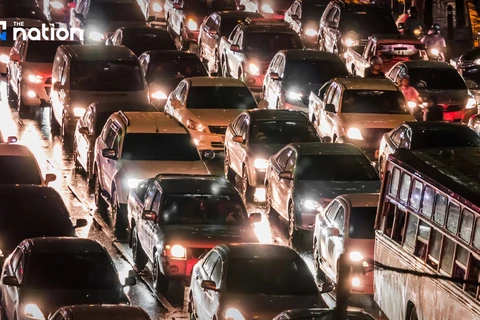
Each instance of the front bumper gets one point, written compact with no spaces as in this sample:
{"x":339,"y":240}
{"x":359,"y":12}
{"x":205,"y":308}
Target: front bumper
{"x":178,"y":268}
{"x":207,"y":141}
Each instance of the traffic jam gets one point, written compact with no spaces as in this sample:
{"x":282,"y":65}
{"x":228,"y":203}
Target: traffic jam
{"x":236,"y":160}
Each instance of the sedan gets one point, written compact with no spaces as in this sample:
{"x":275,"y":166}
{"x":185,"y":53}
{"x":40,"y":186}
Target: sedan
{"x":251,"y":281}
{"x":141,"y":39}
{"x":321,"y":314}
{"x":44,"y":273}
{"x":91,"y":312}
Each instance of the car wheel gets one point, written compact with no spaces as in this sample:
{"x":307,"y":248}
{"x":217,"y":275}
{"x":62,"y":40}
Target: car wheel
{"x":227,"y":170}
{"x":91,"y":181}
{"x":160,"y":281}
{"x":139,"y":256}
{"x":293,"y":233}
{"x":119,"y":218}
{"x":413,"y":314}
{"x":268,"y":201}
{"x":247,"y":190}
{"x":102,"y":205}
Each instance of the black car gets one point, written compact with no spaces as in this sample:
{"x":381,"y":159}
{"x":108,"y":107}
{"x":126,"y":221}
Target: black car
{"x":468,"y":65}
{"x":45,"y":273}
{"x":28,"y":211}
{"x":164,"y":69}
{"x":141,"y":39}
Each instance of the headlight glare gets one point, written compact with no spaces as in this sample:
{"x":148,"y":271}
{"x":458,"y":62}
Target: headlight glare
{"x":356,"y":282}
{"x":310,"y":32}
{"x":4,"y":58}
{"x":133,"y":183}
{"x":57,"y":5}
{"x":176,"y":251}
{"x":356,"y":256}
{"x":234,"y":314}
{"x":471,"y":103}
{"x":435,"y":52}
{"x":477,"y":61}
{"x":260,"y":164}
{"x":34,"y":78}
{"x":195,"y":125}
{"x":266,"y":8}
{"x":292,"y":95}
{"x":159,"y":95}
{"x":253,"y":69}
{"x":32,"y":311}
{"x":354,"y":133}
{"x":192,"y":25}
{"x":157,"y":7}
{"x":311,"y":205}
{"x":78,"y":111}
{"x":412,"y":104}
{"x":349,"y":42}
{"x":96,"y":36}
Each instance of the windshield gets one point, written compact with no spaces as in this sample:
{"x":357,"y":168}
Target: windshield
{"x":451,"y":136}
{"x":19,"y":170}
{"x":228,"y":24}
{"x":204,"y":209}
{"x":314,"y":71}
{"x":283,"y":277}
{"x":436,"y":79}
{"x":44,"y":51}
{"x":362,"y":222}
{"x":220,"y":98}
{"x":92,"y":271}
{"x":159,"y":147}
{"x":378,"y":102}
{"x":335,"y":168}
{"x":282,"y":132}
{"x":399,"y":52}
{"x":115,"y":11}
{"x":106,"y":76}
{"x":141,"y":42}
{"x":367,"y":22}
{"x":180,"y":66}
{"x":272,"y":42}
{"x":210,"y":5}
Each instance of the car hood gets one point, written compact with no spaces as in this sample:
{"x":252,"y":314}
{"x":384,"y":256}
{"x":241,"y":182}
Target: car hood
{"x":264,"y":150}
{"x":262,"y":56}
{"x":370,"y":120}
{"x":445,"y":97}
{"x":166,"y":85}
{"x":215,"y":117}
{"x":303,"y":87}
{"x":85,"y":98}
{"x":207,"y":236}
{"x":332,"y":189}
{"x":43,"y":69}
{"x":147,"y":169}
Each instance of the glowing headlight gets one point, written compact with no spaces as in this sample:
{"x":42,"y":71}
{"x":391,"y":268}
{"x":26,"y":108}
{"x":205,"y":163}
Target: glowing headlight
{"x":471,"y":103}
{"x":435,"y":52}
{"x":260,"y":164}
{"x":417,"y":32}
{"x":133,"y":183}
{"x":176,"y":251}
{"x":356,"y":256}
{"x":349,"y":42}
{"x":356,"y":282}
{"x":195,"y":125}
{"x":78,"y":111}
{"x":253,"y":69}
{"x":157,"y":7}
{"x":4,"y":58}
{"x":96,"y":36}
{"x":267,"y":9}
{"x":477,"y":61}
{"x":32,"y":311}
{"x":294,"y":95}
{"x":311,"y":32}
{"x":354,"y":133}
{"x":159,"y":95}
{"x":312,"y":205}
{"x":35,"y":79}
{"x":192,"y":25}
{"x":57,"y":5}
{"x":412,"y":104}
{"x":233,"y":314}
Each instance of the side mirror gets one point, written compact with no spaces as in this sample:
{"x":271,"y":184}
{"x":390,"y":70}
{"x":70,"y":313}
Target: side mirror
{"x":263,"y":104}
{"x":130,"y":281}
{"x":274,"y":76}
{"x":472,"y":85}
{"x":212,"y":32}
{"x":14,"y":57}
{"x":208,"y":155}
{"x":329,"y":107}
{"x":235,"y":48}
{"x":177,"y":6}
{"x":84,"y":130}
{"x":149,"y":215}
{"x":238,"y":139}
{"x":80,"y":223}
{"x":327,"y":287}
{"x":326,"y":139}
{"x":57,"y":86}
{"x":241,"y":7}
{"x":12,"y":139}
{"x":255,"y":217}
{"x":295,"y":17}
{"x":109,"y":154}
{"x":332,"y":232}
{"x":50,"y":177}
{"x":209,"y":285}
{"x":150,"y":19}
{"x":71,"y":5}
{"x":286,"y":175}
{"x":10,"y":281}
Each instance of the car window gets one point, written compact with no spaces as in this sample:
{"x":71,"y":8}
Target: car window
{"x":339,"y":221}
{"x":336,"y":98}
{"x":237,"y":125}
{"x":111,"y":134}
{"x":15,"y":258}
{"x":291,"y":163}
{"x":407,"y":138}
{"x":210,"y":22}
{"x":117,"y":141}
{"x":217,"y":272}
{"x":210,"y":263}
{"x":397,"y":136}
{"x":156,"y":202}
{"x":19,"y":270}
{"x":283,"y":157}
{"x":332,"y":211}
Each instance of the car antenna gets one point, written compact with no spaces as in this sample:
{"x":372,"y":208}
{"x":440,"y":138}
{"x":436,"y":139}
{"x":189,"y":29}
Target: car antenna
{"x":156,"y":125}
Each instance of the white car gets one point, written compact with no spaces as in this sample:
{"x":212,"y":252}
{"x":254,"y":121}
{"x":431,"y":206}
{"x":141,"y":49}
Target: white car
{"x":207,"y":105}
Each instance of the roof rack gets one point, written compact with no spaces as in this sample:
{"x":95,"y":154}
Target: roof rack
{"x":124,"y":117}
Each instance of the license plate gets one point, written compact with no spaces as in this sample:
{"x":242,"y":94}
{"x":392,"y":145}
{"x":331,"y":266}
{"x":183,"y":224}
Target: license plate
{"x":377,"y":154}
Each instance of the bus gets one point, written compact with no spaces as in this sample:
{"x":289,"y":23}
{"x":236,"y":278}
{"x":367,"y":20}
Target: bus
{"x":428,"y":221}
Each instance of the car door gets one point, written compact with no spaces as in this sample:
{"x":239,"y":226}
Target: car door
{"x":233,"y":147}
{"x":13,"y":66}
{"x":10,"y":293}
{"x":287,"y":185}
{"x":200,"y":295}
{"x":327,"y":221}
{"x":276,"y":86}
{"x":143,"y":226}
{"x":176,"y":94}
{"x":393,"y":142}
{"x":107,"y":165}
{"x":212,"y":298}
{"x":276,"y":183}
{"x":330,"y":28}
{"x":267,"y":81}
{"x":324,"y":116}
{"x":203,"y":49}
{"x":153,"y":227}
{"x":82,"y":140}
{"x":236,"y":58}
{"x":211,"y":37}
{"x":335,"y":244}
{"x":332,"y":117}
{"x":296,"y":24}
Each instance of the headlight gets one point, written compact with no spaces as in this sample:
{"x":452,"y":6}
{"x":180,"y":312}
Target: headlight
{"x":195,"y":125}
{"x":292,"y":95}
{"x":32,"y":311}
{"x":412,"y":104}
{"x":96,"y":36}
{"x":477,"y":61}
{"x":260,"y":164}
{"x":471,"y":103}
{"x":417,"y":32}
{"x":57,"y":5}
{"x":159,"y":95}
{"x":356,"y":282}
{"x":311,"y":32}
{"x":133,"y":183}
{"x":34,"y":78}
{"x":354,"y":133}
{"x":253,"y":69}
{"x":356,"y":256}
{"x":267,"y":9}
{"x":349,"y":42}
{"x":157,"y":7}
{"x":311,"y":205}
{"x":4,"y":58}
{"x":78,"y":111}
{"x":176,"y":251}
{"x":233,"y":314}
{"x":435,"y":52}
{"x":192,"y":25}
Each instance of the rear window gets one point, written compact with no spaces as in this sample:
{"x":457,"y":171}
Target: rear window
{"x":399,"y":52}
{"x":367,"y":21}
{"x":141,"y":42}
{"x":436,"y":79}
{"x":114,"y":11}
{"x":220,"y":98}
{"x":362,"y":222}
{"x":44,"y":51}
{"x":369,"y":101}
{"x":282,"y":132}
{"x":180,"y":66}
{"x":272,"y":42}
{"x":19,"y":170}
{"x":452,"y":136}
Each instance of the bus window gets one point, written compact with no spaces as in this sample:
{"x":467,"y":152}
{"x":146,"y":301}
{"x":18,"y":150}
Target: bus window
{"x":434,"y":249}
{"x":473,"y":273}
{"x":422,"y":240}
{"x":453,"y":216}
{"x":460,"y":264}
{"x":411,"y":231}
{"x":416,"y":195}
{"x":447,"y":255}
{"x":395,"y":181}
{"x":476,"y":236}
{"x":466,"y":225}
{"x":398,"y":226}
{"x":388,"y":220}
{"x":440,"y":209}
{"x":427,"y":203}
{"x":405,"y":187}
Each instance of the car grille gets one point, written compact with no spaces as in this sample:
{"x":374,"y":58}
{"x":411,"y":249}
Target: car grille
{"x":48,"y":81}
{"x":452,"y":108}
{"x":197,"y":252}
{"x":217,"y":144}
{"x":217,"y":130}
{"x":374,"y":135}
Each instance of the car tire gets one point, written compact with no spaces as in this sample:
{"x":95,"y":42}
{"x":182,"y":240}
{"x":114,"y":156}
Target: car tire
{"x":140,"y":258}
{"x":293,"y":234}
{"x":227,"y":170}
{"x":102,"y":205}
{"x":119,"y":218}
{"x":269,"y":210}
{"x":160,"y":281}
{"x":412,"y":315}
{"x":247,"y":190}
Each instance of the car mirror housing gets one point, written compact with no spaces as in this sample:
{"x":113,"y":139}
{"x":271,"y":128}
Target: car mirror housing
{"x":80,"y":223}
{"x":241,"y":7}
{"x":238,"y":139}
{"x":15,"y":57}
{"x":50,"y":177}
{"x":286,"y":175}
{"x":109,"y":154}
{"x":326,"y":139}
{"x":151,"y":19}
{"x":332,"y":232}
{"x":255,"y":217}
{"x":10,"y":281}
{"x":149,"y":215}
{"x":12,"y":139}
{"x":263,"y":104}
{"x":57,"y":86}
{"x":130,"y":281}
{"x":295,"y":17}
{"x":327,"y":287}
{"x":177,"y":6}
{"x":209,"y":285}
{"x":84,"y":130}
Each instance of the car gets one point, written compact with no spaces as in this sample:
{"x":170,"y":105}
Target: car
{"x":468,"y":65}
{"x":321,"y":314}
{"x":214,"y":27}
{"x":294,"y":73}
{"x":30,"y":211}
{"x":207,"y":105}
{"x":18,"y":165}
{"x":98,"y":19}
{"x":153,"y":10}
{"x":10,"y":139}
{"x":346,"y":225}
{"x":321,"y":172}
{"x":31,"y":15}
{"x":124,"y":156}
{"x":304,"y":17}
{"x":33,"y":288}
{"x":89,"y":128}
{"x":253,"y":137}
{"x":164,"y":69}
{"x":359,"y":111}
{"x":58,"y":11}
{"x":180,"y":218}
{"x":141,"y":39}
{"x":29,"y":72}
{"x":251,"y":281}
{"x":104,"y":311}
{"x":83,"y":74}
{"x":268,"y":8}
{"x":438,"y":83}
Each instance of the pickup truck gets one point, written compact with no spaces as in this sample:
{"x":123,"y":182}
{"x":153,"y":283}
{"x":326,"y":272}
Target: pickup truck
{"x":390,"y":48}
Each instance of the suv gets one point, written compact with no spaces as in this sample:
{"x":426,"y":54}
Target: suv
{"x":132,"y":148}
{"x":345,"y":24}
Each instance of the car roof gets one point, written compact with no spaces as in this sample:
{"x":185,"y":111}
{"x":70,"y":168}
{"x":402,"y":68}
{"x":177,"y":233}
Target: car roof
{"x":150,"y":122}
{"x":361,"y":199}
{"x":170,"y":53}
{"x":204,"y":184}
{"x":427,"y":64}
{"x":301,"y":54}
{"x":276,"y":114}
{"x":95,"y":52}
{"x":425,"y":125}
{"x":313,"y":148}
{"x":258,"y":251}
{"x":367,"y":84}
{"x":396,"y":38}
{"x":117,"y":312}
{"x":125,"y":106}
{"x":71,"y":245}
{"x":14,"y":150}
{"x":214,"y":82}
{"x":238,"y":14}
